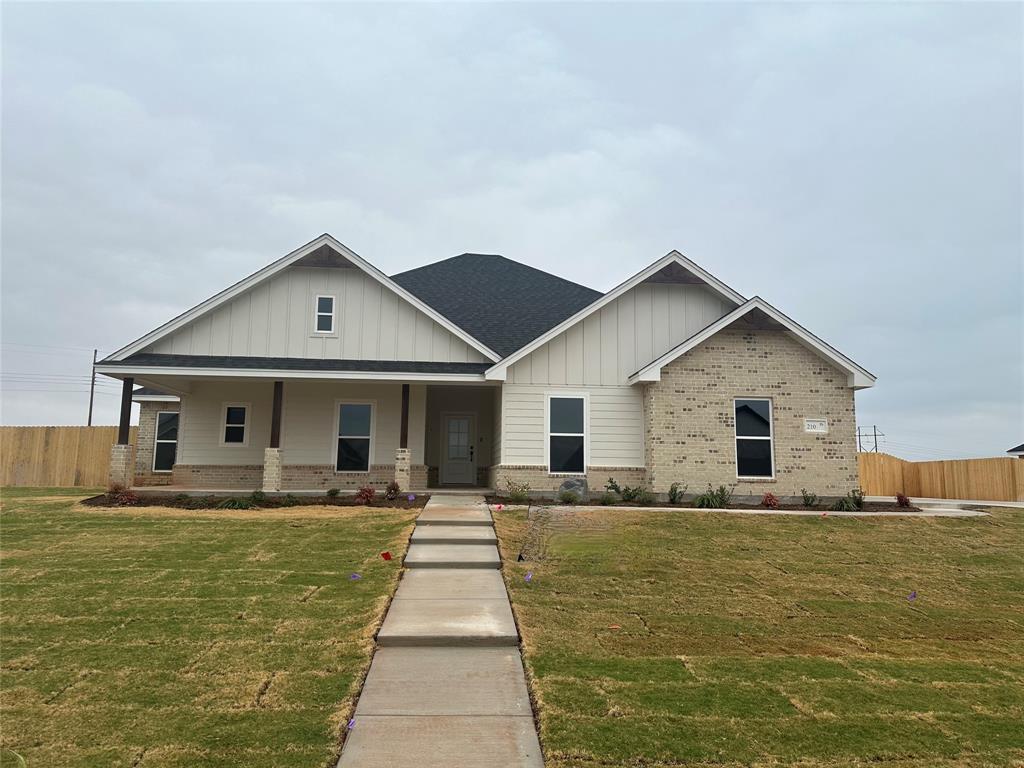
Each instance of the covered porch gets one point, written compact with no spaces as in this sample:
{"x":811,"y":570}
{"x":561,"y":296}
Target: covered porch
{"x":307,"y":434}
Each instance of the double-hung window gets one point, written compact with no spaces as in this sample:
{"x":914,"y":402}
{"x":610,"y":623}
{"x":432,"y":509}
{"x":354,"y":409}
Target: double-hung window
{"x":236,"y":424}
{"x":355,"y":437}
{"x":566,"y":435}
{"x":165,"y":446}
{"x":754,"y":450}
{"x":323,"y":319}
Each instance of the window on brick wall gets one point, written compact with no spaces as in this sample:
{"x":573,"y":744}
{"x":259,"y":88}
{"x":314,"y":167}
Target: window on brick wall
{"x":754,"y":439}
{"x":165,"y":446}
{"x":566,"y":435}
{"x":355,"y":437}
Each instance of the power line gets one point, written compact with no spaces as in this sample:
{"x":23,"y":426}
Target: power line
{"x":43,"y":346}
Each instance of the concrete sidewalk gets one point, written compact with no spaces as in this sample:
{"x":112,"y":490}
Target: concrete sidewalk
{"x":446,"y":687}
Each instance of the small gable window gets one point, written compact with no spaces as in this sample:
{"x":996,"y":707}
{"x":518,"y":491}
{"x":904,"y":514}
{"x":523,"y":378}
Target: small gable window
{"x":324,"y":315}
{"x":236,"y":424}
{"x":754,"y":449}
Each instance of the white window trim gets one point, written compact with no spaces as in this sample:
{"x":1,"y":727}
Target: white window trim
{"x":770,"y":438}
{"x":585,"y":397}
{"x":317,"y":314}
{"x":157,"y":441}
{"x":337,"y":435}
{"x":246,"y":426}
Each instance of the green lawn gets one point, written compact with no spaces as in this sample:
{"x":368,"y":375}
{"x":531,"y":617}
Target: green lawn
{"x":157,"y":638}
{"x":774,"y":640}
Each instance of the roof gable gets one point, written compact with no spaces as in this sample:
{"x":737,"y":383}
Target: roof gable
{"x":501,"y":302}
{"x":324,"y":251}
{"x":758,"y":313}
{"x":672,"y":267}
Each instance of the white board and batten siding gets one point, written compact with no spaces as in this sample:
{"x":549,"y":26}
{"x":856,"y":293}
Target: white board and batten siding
{"x":596,"y":356}
{"x":275,"y":319}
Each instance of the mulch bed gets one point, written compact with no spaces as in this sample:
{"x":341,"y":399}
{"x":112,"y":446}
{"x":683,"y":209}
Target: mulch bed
{"x":869,"y":507}
{"x":225,"y":501}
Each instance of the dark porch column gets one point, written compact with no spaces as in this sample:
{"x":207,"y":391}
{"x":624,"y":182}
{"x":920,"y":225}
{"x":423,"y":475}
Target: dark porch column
{"x":403,"y":439}
{"x":126,"y":410}
{"x":275,"y":415}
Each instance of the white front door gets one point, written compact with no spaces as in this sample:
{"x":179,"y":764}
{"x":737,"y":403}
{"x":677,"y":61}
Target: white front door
{"x":458,"y":453}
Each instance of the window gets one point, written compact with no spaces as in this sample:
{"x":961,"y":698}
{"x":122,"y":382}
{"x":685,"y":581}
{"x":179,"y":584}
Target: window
{"x":566,"y":435}
{"x":236,"y":425}
{"x":324,"y":315}
{"x":166,"y":445}
{"x":754,"y":438}
{"x":355,"y":430}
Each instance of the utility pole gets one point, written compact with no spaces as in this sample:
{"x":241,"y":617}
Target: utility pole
{"x":875,"y":434}
{"x":92,"y":385}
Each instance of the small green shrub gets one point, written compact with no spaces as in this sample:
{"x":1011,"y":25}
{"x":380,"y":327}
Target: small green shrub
{"x":257,"y":497}
{"x":518,"y":493}
{"x":235,"y":502}
{"x":645,"y":498}
{"x":607,"y":499}
{"x":291,"y":500}
{"x":858,"y":498}
{"x":612,"y":487}
{"x":181,"y":499}
{"x":332,"y":493}
{"x":844,"y":504}
{"x":676,"y":493}
{"x":200,"y":502}
{"x":392,"y":490}
{"x":714,"y":498}
{"x":630,"y":493}
{"x":810,"y":499}
{"x":568,"y":497}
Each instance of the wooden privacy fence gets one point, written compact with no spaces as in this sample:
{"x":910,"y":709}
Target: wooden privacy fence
{"x":56,"y":456}
{"x":982,"y":479}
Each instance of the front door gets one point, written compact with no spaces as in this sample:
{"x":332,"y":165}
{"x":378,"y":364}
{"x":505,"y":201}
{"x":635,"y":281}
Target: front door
{"x":458,"y":454}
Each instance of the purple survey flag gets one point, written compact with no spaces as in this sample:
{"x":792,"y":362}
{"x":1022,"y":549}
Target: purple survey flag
{"x":354,"y":577}
{"x":912,"y":595}
{"x":351,"y":723}
{"x":529,"y":576}
{"x":411,"y":497}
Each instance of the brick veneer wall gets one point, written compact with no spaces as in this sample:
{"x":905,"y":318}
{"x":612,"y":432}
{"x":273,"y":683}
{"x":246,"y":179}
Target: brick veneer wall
{"x":144,"y":474}
{"x":689,"y":421}
{"x":297,"y":477}
{"x":248,"y":477}
{"x":541,"y":482}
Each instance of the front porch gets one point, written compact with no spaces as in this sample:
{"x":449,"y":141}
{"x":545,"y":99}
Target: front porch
{"x":306,"y":435}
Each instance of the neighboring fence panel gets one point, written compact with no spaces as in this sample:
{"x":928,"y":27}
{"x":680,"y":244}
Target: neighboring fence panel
{"x":56,"y":456}
{"x":982,"y":479}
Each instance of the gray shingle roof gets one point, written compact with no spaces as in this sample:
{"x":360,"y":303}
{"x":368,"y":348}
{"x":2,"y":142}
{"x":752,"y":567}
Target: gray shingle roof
{"x":1018,"y":449}
{"x":500,"y":302}
{"x":297,"y":364}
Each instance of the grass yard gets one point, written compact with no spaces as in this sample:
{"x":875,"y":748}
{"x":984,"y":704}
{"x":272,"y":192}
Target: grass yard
{"x":156,"y":638}
{"x":751,"y":640}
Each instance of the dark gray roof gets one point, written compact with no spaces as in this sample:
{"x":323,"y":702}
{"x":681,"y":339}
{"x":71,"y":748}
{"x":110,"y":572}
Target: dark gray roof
{"x":297,"y":364}
{"x":1018,"y":449}
{"x":149,"y":391}
{"x":500,"y":302}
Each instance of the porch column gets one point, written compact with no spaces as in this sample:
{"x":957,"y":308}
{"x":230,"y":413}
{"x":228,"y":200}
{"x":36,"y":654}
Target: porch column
{"x":121,"y":471}
{"x":272,"y":454}
{"x":403,"y":458}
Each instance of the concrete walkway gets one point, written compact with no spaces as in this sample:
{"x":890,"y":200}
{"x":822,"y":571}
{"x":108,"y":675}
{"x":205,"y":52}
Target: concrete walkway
{"x":446,"y":686}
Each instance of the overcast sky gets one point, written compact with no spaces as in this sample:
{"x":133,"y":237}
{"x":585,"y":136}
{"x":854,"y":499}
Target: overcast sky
{"x":858,"y":166}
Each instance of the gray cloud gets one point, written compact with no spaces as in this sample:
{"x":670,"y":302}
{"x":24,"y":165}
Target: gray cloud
{"x":857,"y":165}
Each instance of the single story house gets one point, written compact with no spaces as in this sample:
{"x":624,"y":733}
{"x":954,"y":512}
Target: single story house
{"x":319,"y":371}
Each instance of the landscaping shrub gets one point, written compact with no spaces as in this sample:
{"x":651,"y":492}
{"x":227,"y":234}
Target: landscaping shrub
{"x":291,"y":500}
{"x":612,"y":487}
{"x":676,"y":493}
{"x":332,"y":493}
{"x":518,"y":493}
{"x":770,"y":500}
{"x":645,"y":498}
{"x":810,"y":499}
{"x":235,"y":502}
{"x":181,"y":499}
{"x":366,"y":494}
{"x":569,"y":497}
{"x":257,"y":497}
{"x":200,"y":502}
{"x":714,"y":498}
{"x":844,"y":504}
{"x":857,"y":495}
{"x":902,"y":500}
{"x":114,"y":488}
{"x":630,"y":493}
{"x":126,"y":498}
{"x":392,"y":490}
{"x":607,"y":499}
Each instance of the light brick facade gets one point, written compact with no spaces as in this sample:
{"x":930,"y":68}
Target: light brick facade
{"x":297,"y":477}
{"x":403,"y":468}
{"x":120,"y":473}
{"x":241,"y":477}
{"x":690,"y":421}
{"x":541,"y":482}
{"x":144,"y":474}
{"x":271,"y":469}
